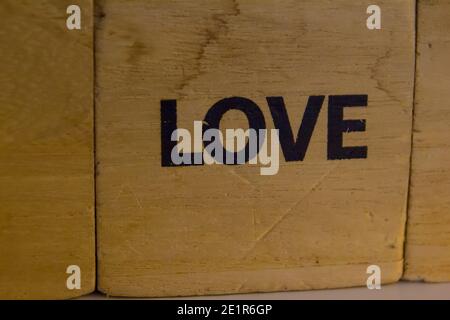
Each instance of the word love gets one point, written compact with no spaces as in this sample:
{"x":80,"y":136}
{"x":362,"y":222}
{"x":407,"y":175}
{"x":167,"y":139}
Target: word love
{"x":251,"y":144}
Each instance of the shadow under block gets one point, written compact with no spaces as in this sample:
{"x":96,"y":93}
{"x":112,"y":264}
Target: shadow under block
{"x":212,"y":229}
{"x":46,"y":150}
{"x":428,"y":231}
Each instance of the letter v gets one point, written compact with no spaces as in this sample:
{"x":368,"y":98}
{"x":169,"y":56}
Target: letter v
{"x":295,"y":150}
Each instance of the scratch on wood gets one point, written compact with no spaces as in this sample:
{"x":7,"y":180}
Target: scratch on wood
{"x":283,"y":217}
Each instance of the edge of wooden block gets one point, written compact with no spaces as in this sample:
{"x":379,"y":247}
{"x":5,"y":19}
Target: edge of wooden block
{"x":250,"y":281}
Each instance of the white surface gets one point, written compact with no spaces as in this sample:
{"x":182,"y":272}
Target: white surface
{"x":401,"y":291}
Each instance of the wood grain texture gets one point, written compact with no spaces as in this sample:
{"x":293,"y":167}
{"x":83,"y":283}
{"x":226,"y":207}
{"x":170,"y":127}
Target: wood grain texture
{"x":428,"y":236}
{"x":46,"y":149}
{"x":226,"y":229}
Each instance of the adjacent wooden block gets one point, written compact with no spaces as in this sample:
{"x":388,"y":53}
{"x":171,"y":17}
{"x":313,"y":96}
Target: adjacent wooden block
{"x":46,"y":149}
{"x":211,"y":229}
{"x":428,"y":237}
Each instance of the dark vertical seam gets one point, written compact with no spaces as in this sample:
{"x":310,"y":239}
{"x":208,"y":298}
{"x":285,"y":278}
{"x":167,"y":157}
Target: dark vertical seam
{"x":408,"y":198}
{"x":94,"y":84}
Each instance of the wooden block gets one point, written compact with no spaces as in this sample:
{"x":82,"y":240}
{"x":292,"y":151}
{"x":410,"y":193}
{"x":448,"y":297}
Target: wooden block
{"x":428,"y":237}
{"x":212,"y":229}
{"x":46,"y":149}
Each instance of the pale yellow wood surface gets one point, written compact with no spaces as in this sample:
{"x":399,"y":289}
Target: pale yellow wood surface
{"x":46,"y":149}
{"x":221,"y":229}
{"x":428,"y":237}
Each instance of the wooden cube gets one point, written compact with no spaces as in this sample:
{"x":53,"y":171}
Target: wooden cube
{"x":46,"y":150}
{"x":428,"y":237}
{"x":338,"y":201}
